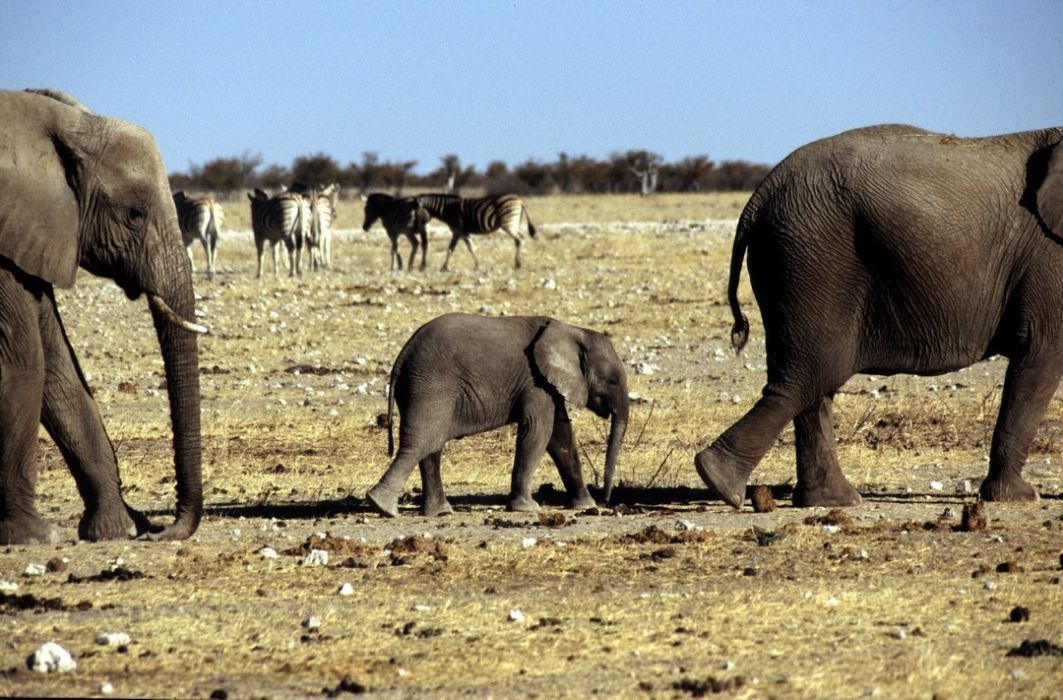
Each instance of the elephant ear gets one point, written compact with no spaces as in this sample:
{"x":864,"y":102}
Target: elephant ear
{"x":41,"y":172}
{"x":559,"y":356}
{"x":1050,"y":192}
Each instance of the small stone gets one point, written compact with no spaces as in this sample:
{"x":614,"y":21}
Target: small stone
{"x":645,"y":368}
{"x":936,"y":486}
{"x":858,"y":554}
{"x":516,"y":615}
{"x":686,"y":526}
{"x":898,"y":634}
{"x":106,"y":688}
{"x":268,"y":553}
{"x":316,"y":557}
{"x":51,"y":658}
{"x":964,"y":487}
{"x":346,"y":589}
{"x":34,"y":570}
{"x":728,"y":666}
{"x":113,"y":639}
{"x":8,"y":587}
{"x":974,"y":518}
{"x":1020,"y":614}
{"x":421,"y":607}
{"x":528,"y":542}
{"x":311,"y":623}
{"x":989,"y":586}
{"x":56,"y":564}
{"x":948,"y":514}
{"x":762,"y":499}
{"x":830,"y":529}
{"x":550,"y":284}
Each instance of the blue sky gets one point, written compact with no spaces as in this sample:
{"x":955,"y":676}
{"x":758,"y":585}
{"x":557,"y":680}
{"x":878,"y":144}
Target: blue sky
{"x":517,"y":79}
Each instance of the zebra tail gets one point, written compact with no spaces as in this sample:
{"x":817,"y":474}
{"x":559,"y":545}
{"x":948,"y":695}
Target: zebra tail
{"x":531,"y":226}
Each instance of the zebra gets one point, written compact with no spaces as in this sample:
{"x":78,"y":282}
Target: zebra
{"x":400,"y":216}
{"x":200,"y":218}
{"x":284,"y":217}
{"x":322,"y":206}
{"x":483,"y":215}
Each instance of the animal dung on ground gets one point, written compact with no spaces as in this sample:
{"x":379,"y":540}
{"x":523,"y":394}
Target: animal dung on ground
{"x":1020,"y":614}
{"x":974,"y":517}
{"x":762,"y":499}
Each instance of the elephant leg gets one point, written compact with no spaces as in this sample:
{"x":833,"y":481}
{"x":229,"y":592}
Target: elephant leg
{"x":72,"y":418}
{"x":384,"y":496}
{"x":435,"y":500}
{"x":533,"y":435}
{"x":22,"y":370}
{"x":820,"y":481}
{"x":563,"y":450}
{"x":1029,"y":385}
{"x":725,"y":465}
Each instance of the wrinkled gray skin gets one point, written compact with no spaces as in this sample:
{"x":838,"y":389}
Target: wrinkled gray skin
{"x":461,"y":375}
{"x":893,"y":250}
{"x":81,"y":189}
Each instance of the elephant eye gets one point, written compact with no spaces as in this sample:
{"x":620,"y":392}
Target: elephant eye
{"x":136,"y":216}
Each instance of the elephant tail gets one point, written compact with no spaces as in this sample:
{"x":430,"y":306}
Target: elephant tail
{"x":740,"y":329}
{"x":391,"y":412}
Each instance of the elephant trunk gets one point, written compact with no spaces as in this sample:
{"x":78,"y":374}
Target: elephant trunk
{"x":177,"y":342}
{"x":617,"y":428}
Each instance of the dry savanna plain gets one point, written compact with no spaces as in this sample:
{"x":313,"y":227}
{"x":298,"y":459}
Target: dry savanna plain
{"x":663,"y":594}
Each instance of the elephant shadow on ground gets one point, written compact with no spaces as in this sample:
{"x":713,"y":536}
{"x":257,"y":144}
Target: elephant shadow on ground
{"x":654,"y":498}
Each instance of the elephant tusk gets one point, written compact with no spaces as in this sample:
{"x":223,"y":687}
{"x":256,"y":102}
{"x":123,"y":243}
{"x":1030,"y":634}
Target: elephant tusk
{"x":164,"y":309}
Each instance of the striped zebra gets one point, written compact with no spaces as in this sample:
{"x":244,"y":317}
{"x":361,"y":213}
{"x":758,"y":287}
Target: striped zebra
{"x":200,"y":219}
{"x":475,"y":216}
{"x":322,"y":207}
{"x":401,"y":216}
{"x":284,"y":217}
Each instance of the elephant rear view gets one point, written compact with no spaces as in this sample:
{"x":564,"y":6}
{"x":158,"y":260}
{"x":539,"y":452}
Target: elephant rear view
{"x":892,"y":250}
{"x":461,"y":374}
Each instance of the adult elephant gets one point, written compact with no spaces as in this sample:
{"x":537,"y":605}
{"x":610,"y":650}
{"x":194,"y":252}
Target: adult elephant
{"x":891,"y":249}
{"x":82,"y":189}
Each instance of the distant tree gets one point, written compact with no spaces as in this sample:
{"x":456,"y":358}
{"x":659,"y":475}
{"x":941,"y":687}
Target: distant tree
{"x":227,"y":175}
{"x":369,"y":171}
{"x":182,"y":181}
{"x":644,"y":165}
{"x":691,"y":174}
{"x":738,"y":175}
{"x":274,"y":177}
{"x":396,"y":175}
{"x":350,"y":177}
{"x":318,"y":170}
{"x":537,"y":177}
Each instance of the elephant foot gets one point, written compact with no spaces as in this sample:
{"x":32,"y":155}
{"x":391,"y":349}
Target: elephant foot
{"x":28,"y":529}
{"x":436,"y":508}
{"x":836,"y":494}
{"x":1014,"y":488}
{"x":523,"y":504}
{"x":112,"y":523}
{"x":724,"y":476}
{"x":383,"y":502}
{"x":582,"y":502}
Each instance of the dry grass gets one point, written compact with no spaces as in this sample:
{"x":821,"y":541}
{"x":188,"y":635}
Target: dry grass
{"x":610,"y":606}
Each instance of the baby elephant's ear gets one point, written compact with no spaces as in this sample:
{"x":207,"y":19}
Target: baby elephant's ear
{"x":1050,"y":192}
{"x":557,"y":353}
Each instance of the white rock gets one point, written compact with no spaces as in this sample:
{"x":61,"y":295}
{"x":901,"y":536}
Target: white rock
{"x":686,"y":526}
{"x":833,"y":601}
{"x":936,"y":486}
{"x":346,"y":589}
{"x":113,"y":639}
{"x":645,"y":368}
{"x":550,"y":283}
{"x":51,"y":658}
{"x":312,"y":623}
{"x":106,"y":688}
{"x":268,"y":552}
{"x":859,"y":555}
{"x":736,"y":399}
{"x":989,"y":586}
{"x":316,"y":557}
{"x":964,"y":486}
{"x":898,"y":634}
{"x":421,"y":607}
{"x":528,"y":542}
{"x":516,"y":615}
{"x":8,"y":587}
{"x":830,"y":529}
{"x":33,"y":569}
{"x":728,"y":666}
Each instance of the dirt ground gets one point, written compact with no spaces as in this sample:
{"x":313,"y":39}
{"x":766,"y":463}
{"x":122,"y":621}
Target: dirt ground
{"x":666,"y":594}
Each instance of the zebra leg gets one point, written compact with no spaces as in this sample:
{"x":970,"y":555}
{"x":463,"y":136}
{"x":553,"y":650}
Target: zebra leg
{"x":260,"y":245}
{"x":206,"y":254}
{"x":396,"y":259}
{"x":468,"y":244}
{"x":424,"y":248}
{"x":450,"y":250}
{"x":517,"y":243}
{"x":191,"y":262}
{"x":413,"y":250}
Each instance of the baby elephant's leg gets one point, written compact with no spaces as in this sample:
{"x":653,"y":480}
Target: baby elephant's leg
{"x":563,"y":451}
{"x":435,"y":501}
{"x":533,"y":435}
{"x":384,"y":497}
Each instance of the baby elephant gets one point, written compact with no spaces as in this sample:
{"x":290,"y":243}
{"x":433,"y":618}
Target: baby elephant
{"x":461,"y":374}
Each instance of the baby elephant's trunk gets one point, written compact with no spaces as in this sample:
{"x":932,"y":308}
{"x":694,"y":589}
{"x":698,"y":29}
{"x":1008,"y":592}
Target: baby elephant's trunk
{"x":617,"y":428}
